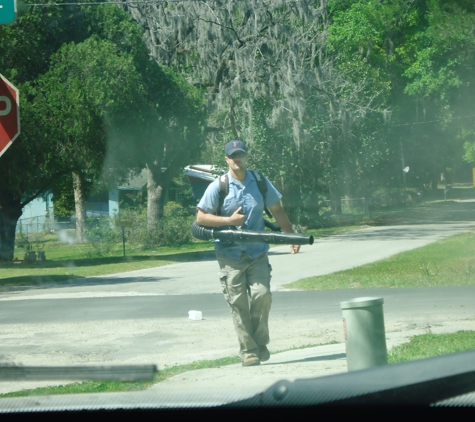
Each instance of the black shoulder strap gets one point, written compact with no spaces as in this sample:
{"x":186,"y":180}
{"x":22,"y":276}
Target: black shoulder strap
{"x":223,"y":191}
{"x":262,"y":185}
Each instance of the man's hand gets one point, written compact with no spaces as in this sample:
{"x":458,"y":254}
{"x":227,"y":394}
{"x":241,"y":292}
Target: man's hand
{"x":284,"y":222}
{"x":294,"y":249}
{"x":210,"y":220}
{"x":238,"y":218}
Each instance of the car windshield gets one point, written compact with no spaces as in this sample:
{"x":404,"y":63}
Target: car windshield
{"x":199,"y":199}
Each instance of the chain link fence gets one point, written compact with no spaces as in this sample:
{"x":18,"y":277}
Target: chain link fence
{"x":27,"y":226}
{"x":41,"y":224}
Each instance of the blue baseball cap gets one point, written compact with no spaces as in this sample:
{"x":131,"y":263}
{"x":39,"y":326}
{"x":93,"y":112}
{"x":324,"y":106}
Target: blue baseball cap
{"x":233,"y":146}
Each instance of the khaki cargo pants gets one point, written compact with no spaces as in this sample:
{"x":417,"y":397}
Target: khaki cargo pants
{"x":246,"y":287}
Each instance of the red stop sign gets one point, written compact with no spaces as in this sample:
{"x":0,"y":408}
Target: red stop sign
{"x":9,"y":114}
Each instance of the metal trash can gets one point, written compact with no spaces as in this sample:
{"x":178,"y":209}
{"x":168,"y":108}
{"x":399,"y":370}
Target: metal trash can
{"x":365,"y":337}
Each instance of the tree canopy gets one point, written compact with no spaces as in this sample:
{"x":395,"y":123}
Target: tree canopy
{"x":333,"y":95}
{"x":89,"y":78}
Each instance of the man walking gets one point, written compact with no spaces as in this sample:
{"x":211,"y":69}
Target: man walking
{"x":245,"y":271}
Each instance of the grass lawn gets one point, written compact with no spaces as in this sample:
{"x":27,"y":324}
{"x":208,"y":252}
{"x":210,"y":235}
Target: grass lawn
{"x":428,"y":345}
{"x":72,"y":261}
{"x":447,"y":262}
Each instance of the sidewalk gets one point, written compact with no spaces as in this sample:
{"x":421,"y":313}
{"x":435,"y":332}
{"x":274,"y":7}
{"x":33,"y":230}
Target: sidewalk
{"x":215,"y":386}
{"x":290,"y":365}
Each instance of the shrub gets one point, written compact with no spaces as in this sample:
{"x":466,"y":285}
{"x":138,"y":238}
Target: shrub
{"x":101,"y":234}
{"x":173,"y":229}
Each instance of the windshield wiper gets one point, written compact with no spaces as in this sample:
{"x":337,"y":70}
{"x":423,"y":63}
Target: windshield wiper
{"x":83,"y":373}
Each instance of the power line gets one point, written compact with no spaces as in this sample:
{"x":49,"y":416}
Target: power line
{"x":107,"y":2}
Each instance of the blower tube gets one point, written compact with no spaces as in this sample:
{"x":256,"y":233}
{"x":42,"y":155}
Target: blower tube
{"x":228,"y":235}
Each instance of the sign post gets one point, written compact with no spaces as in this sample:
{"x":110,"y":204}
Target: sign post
{"x":9,"y":114}
{"x":7,"y":11}
{"x":123,"y":224}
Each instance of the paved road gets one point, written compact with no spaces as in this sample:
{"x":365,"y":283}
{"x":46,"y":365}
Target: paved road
{"x":317,"y":305}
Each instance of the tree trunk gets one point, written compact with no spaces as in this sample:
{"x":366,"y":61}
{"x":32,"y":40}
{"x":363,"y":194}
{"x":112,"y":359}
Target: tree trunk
{"x":79,"y":207}
{"x":335,"y":199}
{"x":155,"y":196}
{"x":233,"y":121}
{"x":10,"y":212}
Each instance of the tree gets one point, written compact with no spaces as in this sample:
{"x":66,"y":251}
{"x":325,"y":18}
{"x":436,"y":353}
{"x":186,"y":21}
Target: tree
{"x":29,"y":166}
{"x":88,"y":85}
{"x":166,"y":125}
{"x":63,"y":139}
{"x":262,"y":57}
{"x":425,"y":50}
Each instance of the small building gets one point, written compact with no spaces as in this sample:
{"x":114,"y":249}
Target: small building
{"x":36,"y":215}
{"x":134,"y":193}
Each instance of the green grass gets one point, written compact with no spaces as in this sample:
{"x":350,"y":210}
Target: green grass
{"x":74,"y":261}
{"x":60,"y":251}
{"x":447,"y":262}
{"x":428,"y":345}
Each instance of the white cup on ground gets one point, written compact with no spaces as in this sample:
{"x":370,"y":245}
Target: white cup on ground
{"x":195,"y":315}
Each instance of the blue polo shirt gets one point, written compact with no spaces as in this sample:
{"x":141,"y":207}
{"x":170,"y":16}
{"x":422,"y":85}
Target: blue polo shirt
{"x":247,"y":195}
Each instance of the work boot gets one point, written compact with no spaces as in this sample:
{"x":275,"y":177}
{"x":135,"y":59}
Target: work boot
{"x":251,"y":360}
{"x":264,"y":353}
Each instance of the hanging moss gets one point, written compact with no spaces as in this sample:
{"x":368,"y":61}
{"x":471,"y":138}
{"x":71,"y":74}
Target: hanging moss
{"x":274,"y":49}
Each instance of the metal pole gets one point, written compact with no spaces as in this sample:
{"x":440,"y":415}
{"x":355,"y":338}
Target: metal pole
{"x":123,"y":239}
